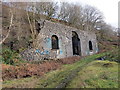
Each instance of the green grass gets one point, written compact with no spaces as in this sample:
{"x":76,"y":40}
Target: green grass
{"x":53,"y":79}
{"x":21,"y":83}
{"x":97,"y":74}
{"x":87,"y":73}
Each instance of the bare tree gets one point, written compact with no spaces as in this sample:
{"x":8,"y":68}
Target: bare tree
{"x":86,"y":18}
{"x":46,"y":8}
{"x":64,"y":11}
{"x":75,"y":14}
{"x":11,"y":22}
{"x":70,"y":13}
{"x":92,"y":17}
{"x":29,"y":9}
{"x":31,"y":16}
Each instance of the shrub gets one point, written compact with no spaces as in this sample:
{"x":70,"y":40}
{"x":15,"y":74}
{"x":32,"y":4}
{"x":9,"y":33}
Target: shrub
{"x":113,"y":56}
{"x":8,"y":56}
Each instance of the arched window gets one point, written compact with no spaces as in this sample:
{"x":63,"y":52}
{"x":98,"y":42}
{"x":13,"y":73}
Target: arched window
{"x":55,"y":42}
{"x":90,"y":46}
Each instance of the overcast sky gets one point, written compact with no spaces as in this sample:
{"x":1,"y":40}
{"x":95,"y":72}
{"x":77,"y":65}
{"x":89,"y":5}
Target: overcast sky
{"x":108,"y":7}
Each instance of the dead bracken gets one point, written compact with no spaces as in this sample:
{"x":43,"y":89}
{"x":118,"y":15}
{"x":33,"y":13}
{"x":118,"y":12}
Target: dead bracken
{"x":28,"y":70}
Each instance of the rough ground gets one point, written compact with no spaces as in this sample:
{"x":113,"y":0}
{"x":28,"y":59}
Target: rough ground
{"x":85,"y":73}
{"x":27,"y":69}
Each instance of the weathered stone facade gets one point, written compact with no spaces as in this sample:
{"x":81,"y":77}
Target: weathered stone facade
{"x":64,"y":36}
{"x":54,"y":40}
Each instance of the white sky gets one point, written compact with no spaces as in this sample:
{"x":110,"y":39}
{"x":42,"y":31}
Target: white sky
{"x":109,"y":8}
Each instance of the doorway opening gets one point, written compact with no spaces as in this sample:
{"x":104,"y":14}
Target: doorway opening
{"x":90,"y":46}
{"x":76,"y":44}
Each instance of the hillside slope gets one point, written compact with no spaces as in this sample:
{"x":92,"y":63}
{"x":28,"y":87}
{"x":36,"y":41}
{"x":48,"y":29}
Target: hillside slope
{"x":86,"y":73}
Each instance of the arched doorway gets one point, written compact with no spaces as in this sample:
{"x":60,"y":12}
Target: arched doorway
{"x":90,"y":46}
{"x":55,"y":42}
{"x":76,"y":44}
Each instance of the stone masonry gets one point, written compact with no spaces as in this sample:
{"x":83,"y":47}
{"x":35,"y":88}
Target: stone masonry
{"x":64,"y":36}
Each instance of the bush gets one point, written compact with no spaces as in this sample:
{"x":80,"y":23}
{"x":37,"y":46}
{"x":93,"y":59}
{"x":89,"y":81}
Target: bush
{"x":113,"y":56}
{"x":8,"y":56}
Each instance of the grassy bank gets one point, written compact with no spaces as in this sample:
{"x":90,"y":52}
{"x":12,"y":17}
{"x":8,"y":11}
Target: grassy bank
{"x":97,"y":74}
{"x":61,"y":78}
{"x":88,"y":72}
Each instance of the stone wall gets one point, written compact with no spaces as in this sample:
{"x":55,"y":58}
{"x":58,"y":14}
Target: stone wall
{"x":64,"y":34}
{"x":44,"y":49}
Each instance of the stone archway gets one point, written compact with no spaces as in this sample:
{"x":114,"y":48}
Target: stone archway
{"x":76,"y":44}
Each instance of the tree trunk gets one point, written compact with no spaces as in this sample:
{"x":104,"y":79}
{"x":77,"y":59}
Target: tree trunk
{"x":11,"y":21}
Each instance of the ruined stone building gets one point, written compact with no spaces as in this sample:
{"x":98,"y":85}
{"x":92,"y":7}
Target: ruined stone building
{"x":56,"y":40}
